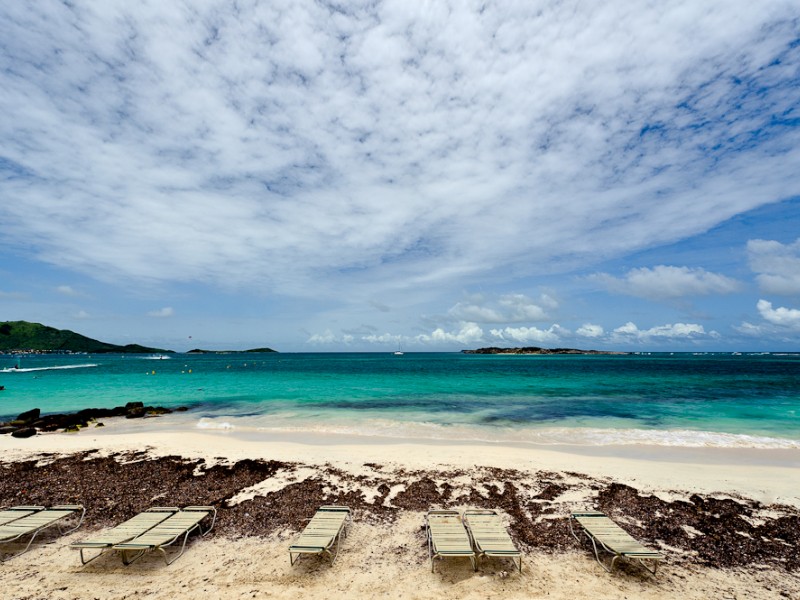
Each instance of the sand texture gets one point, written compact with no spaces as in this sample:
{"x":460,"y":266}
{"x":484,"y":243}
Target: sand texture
{"x":724,"y":544}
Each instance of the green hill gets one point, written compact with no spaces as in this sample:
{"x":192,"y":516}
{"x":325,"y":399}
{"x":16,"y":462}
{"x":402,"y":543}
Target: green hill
{"x":22,"y":335}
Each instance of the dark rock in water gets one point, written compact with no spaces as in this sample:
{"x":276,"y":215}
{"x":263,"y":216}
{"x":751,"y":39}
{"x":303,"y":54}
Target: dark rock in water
{"x":82,"y":418}
{"x":25,"y":432}
{"x":182,"y":409}
{"x":135,"y":413}
{"x":30,"y":415}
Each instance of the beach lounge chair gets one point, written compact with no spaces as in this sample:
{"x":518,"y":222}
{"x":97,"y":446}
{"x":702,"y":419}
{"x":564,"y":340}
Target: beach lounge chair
{"x":33,"y":524}
{"x":325,"y":529}
{"x":175,"y":527}
{"x":607,"y":536}
{"x":447,"y":536}
{"x":490,"y":537}
{"x":17,"y":512}
{"x":123,"y":532}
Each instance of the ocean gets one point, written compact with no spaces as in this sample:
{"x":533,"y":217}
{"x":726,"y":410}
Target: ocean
{"x":680,"y":399}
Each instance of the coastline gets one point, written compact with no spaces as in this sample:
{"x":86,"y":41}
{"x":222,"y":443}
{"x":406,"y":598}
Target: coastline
{"x":681,"y":501}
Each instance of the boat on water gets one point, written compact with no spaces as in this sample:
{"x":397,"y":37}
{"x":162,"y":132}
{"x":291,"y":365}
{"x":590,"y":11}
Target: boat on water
{"x":399,"y":353}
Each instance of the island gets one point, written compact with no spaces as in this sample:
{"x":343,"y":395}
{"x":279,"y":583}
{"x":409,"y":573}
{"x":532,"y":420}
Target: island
{"x":537,"y":350}
{"x":251,"y":351}
{"x":24,"y":337}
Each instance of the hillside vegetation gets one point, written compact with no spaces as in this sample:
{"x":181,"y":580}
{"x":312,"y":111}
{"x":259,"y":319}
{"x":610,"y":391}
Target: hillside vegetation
{"x":24,"y":336}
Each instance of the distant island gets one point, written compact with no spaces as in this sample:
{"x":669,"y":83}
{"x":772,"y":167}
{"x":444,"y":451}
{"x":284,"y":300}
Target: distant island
{"x":253,"y":350}
{"x":536,"y":350}
{"x":25,"y":337}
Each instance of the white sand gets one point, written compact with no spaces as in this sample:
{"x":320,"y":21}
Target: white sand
{"x":391,"y":562}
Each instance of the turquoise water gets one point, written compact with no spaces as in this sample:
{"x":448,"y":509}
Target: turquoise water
{"x":680,"y":399}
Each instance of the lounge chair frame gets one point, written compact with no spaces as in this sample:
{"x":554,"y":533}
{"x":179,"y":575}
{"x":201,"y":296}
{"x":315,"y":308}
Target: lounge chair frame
{"x":324,"y":531}
{"x":447,"y":537}
{"x":35,"y":523}
{"x":178,"y":526}
{"x":605,"y":535}
{"x":489,"y":537}
{"x":12,"y":513}
{"x":124,"y":532}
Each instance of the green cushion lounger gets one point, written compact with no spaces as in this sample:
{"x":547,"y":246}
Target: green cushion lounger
{"x":325,"y":529}
{"x":610,"y":537}
{"x":490,"y":536}
{"x":17,"y":512}
{"x":123,"y":532}
{"x":447,"y":537}
{"x":175,"y":527}
{"x":33,"y":524}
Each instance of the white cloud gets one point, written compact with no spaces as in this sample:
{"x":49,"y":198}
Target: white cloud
{"x":508,"y":308}
{"x":167,"y":311}
{"x":781,"y":316}
{"x":777,"y":265}
{"x":468,"y":334}
{"x":526,"y":335}
{"x":312,"y":151}
{"x":67,"y":290}
{"x":82,"y":314}
{"x":590,"y":331}
{"x":667,"y":282}
{"x":670,"y":331}
{"x":384,"y":338}
{"x":323,"y":338}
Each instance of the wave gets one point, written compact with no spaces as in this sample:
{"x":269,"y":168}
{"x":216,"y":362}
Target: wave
{"x":551,"y":436}
{"x":155,"y":357}
{"x":53,"y":368}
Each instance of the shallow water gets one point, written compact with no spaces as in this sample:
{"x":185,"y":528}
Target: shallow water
{"x":662,"y":399}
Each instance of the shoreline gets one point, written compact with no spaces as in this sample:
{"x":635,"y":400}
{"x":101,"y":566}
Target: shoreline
{"x":696,"y":509}
{"x":765,"y":475}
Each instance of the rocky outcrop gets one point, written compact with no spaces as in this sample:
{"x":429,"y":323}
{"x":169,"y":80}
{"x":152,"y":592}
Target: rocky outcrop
{"x":31,"y":422}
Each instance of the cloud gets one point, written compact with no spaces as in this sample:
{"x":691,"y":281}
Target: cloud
{"x":323,"y":338}
{"x":469,"y":333}
{"x":82,"y":314}
{"x":322,"y":151}
{"x":167,"y":311}
{"x":508,"y":308}
{"x":590,"y":331}
{"x":526,"y":335}
{"x":67,"y":290}
{"x":777,"y":265}
{"x":781,"y":316}
{"x":664,"y":282}
{"x":384,"y":338}
{"x":630,"y":331}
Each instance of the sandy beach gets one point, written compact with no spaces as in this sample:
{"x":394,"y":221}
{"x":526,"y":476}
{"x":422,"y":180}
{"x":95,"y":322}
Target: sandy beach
{"x":727,"y":520}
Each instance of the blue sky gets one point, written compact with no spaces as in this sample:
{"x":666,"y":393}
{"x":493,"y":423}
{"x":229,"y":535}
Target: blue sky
{"x":326,"y":176}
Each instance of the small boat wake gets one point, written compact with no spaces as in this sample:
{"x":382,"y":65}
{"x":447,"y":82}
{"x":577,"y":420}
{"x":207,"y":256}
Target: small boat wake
{"x":155,"y":357}
{"x":54,"y":368}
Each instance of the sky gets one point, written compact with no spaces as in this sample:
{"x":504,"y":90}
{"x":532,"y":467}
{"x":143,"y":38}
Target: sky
{"x":431,"y":176}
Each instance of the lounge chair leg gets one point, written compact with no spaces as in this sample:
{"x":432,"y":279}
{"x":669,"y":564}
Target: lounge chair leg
{"x":129,"y":561}
{"x":85,"y":561}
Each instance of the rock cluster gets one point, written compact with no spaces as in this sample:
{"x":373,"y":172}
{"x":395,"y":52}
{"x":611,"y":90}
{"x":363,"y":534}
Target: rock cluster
{"x":31,"y":422}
